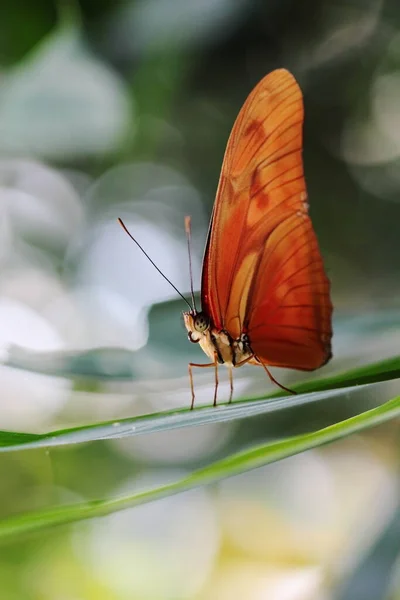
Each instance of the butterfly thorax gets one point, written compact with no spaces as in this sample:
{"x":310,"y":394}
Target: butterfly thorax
{"x":216,"y":343}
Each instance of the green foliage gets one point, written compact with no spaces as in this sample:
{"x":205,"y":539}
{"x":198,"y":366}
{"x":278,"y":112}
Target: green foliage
{"x":345,"y":384}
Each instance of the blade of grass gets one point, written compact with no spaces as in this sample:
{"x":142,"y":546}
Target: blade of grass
{"x":383,"y":370}
{"x":164,"y":421}
{"x":380,"y":371}
{"x":232,"y":465}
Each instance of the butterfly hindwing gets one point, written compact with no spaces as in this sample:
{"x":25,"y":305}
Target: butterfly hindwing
{"x":288,"y":318}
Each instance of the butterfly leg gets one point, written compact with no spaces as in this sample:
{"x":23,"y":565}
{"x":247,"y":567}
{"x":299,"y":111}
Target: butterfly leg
{"x":244,"y":361}
{"x":239,"y":364}
{"x":216,"y":383}
{"x":272,"y":378}
{"x":230,"y":383}
{"x":207,"y":366}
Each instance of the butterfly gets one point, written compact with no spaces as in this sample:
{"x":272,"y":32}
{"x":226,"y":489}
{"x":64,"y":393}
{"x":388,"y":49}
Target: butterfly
{"x":264,"y":293}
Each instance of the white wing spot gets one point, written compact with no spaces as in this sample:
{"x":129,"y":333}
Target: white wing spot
{"x":303,"y":199}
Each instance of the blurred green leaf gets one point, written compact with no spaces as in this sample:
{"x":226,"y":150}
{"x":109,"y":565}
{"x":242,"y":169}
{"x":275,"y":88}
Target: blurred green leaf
{"x":371,"y":579}
{"x":167,"y":333}
{"x":122,"y":364}
{"x":150,"y":24}
{"x":86,"y":114}
{"x":157,"y":82}
{"x":232,"y":465}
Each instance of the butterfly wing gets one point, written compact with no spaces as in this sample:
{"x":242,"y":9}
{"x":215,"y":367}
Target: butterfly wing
{"x":289,"y":312}
{"x":262,"y":271}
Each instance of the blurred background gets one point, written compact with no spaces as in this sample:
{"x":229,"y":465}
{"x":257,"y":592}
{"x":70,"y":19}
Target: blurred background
{"x":122,"y":108}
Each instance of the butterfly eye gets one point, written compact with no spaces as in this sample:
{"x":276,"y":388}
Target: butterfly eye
{"x":201,"y":322}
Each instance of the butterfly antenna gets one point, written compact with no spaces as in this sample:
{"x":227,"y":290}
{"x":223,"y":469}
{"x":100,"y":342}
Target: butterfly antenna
{"x":120,"y":221}
{"x":188,"y":229}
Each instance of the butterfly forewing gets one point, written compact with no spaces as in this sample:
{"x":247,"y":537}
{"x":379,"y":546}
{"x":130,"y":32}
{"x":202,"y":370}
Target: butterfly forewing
{"x":263,"y":274}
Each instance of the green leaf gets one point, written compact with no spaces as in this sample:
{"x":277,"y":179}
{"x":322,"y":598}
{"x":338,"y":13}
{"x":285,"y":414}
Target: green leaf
{"x":232,"y":465}
{"x":87,"y":113}
{"x":372,"y":577}
{"x":383,"y":370}
{"x":10,"y":438}
{"x":310,"y":391}
{"x":162,"y":421}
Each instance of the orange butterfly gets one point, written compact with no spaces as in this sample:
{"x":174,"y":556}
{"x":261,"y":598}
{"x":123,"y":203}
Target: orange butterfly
{"x":265,"y":295}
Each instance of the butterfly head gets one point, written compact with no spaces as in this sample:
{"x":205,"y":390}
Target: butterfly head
{"x":197,"y":324}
